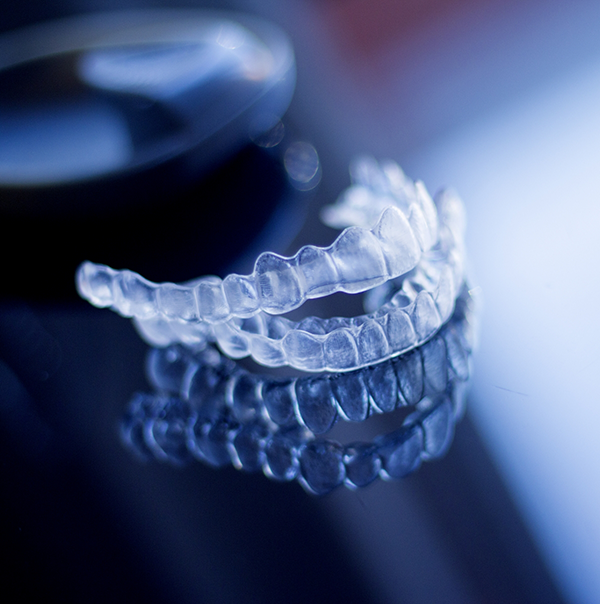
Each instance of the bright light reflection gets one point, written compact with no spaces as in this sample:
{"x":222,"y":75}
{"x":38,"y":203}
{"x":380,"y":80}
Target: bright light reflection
{"x":56,"y":142}
{"x":529,"y":177}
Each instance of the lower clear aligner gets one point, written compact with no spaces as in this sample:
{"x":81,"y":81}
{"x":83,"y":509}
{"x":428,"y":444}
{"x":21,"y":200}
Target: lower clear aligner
{"x":379,"y":388}
{"x":422,"y":302}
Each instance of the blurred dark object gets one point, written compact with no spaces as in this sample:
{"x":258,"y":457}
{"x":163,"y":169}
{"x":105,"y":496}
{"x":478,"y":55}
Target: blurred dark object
{"x":113,"y":127}
{"x":111,"y":105}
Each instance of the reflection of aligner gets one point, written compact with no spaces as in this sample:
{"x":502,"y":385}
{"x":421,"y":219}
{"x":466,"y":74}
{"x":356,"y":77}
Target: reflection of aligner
{"x":166,"y":428}
{"x":422,"y":303}
{"x":361,"y":258}
{"x":211,"y":409}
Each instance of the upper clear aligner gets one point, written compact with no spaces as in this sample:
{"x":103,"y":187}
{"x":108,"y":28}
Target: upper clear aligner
{"x":411,"y":236}
{"x":358,"y":260}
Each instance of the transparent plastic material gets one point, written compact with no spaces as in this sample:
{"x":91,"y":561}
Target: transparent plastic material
{"x":413,"y":350}
{"x":318,"y":402}
{"x":415,"y":308}
{"x":358,"y":260}
{"x":403,"y":247}
{"x":167,"y":429}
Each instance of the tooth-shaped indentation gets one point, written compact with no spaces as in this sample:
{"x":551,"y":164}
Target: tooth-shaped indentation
{"x":210,"y":441}
{"x":401,"y":300}
{"x":371,"y":343}
{"x":458,"y":398}
{"x":352,"y":396}
{"x":277,"y":283}
{"x":304,"y":350}
{"x":246,"y":447}
{"x":445,"y":293}
{"x":278,"y":327}
{"x":142,"y":296}
{"x":362,"y":463}
{"x":400,"y":452}
{"x":267,"y":352}
{"x":177,"y":302}
{"x":457,"y":355}
{"x":210,"y":298}
{"x":425,"y":317}
{"x":383,"y":386}
{"x":131,"y":296}
{"x":156,"y":331}
{"x":257,"y":324}
{"x":399,"y":330}
{"x":240,"y":292}
{"x":400,"y":247}
{"x":165,"y":434}
{"x":319,"y":272}
{"x":189,"y":334}
{"x":321,"y":466}
{"x":206,"y":390}
{"x":409,"y":372}
{"x":340,"y":350}
{"x":281,"y":453}
{"x":359,"y":260}
{"x":278,"y":399}
{"x":233,"y":342}
{"x":244,"y":402}
{"x":316,"y":404}
{"x":312,"y":325}
{"x":335,"y":323}
{"x":419,"y":227}
{"x":166,"y":368}
{"x":438,"y":429}
{"x":435,"y":365}
{"x":95,"y":282}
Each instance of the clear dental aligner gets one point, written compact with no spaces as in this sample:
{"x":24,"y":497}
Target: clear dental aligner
{"x":209,"y":409}
{"x":358,"y":260}
{"x":423,"y":302}
{"x":375,"y":187}
{"x":212,"y":383}
{"x":168,"y":429}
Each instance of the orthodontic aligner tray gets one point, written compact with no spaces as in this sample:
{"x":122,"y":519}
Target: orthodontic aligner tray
{"x":423,"y":300}
{"x":206,"y":379}
{"x":359,"y":259}
{"x":412,"y":351}
{"x":217,"y":425}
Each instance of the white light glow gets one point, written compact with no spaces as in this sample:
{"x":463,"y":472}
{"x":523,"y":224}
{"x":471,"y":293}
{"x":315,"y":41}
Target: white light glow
{"x":530,"y":179}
